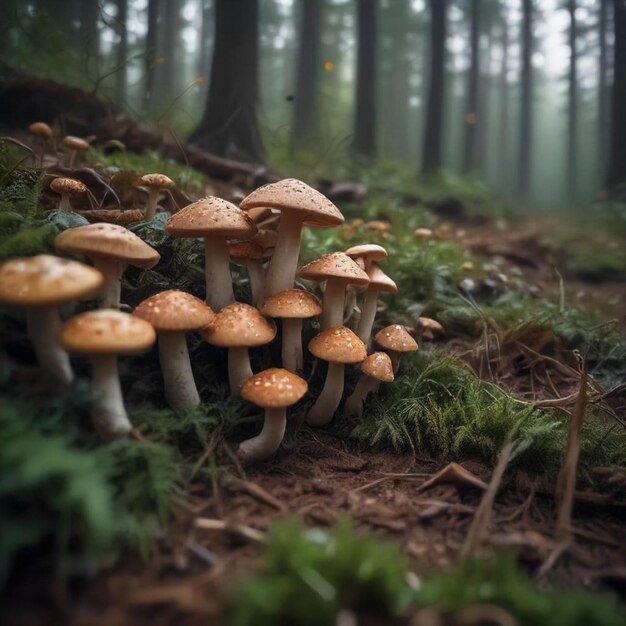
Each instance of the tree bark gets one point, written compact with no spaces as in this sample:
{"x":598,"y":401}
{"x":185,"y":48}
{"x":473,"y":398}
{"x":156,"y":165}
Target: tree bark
{"x":572,"y":106}
{"x":504,"y":108}
{"x":471,"y":108}
{"x":432,"y":152}
{"x":88,"y":35}
{"x":229,"y":124}
{"x":365,"y":118}
{"x":525,"y":138}
{"x":617,"y":153}
{"x":603,"y":89}
{"x":206,"y":35}
{"x":151,"y":52}
{"x":169,"y":84}
{"x":121,"y":19}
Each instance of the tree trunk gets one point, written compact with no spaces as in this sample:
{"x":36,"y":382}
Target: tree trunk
{"x":306,"y":106}
{"x":617,"y":154}
{"x":471,"y":109}
{"x":121,"y":19}
{"x":203,"y":66}
{"x":229,"y":124}
{"x":603,"y":90}
{"x":572,"y":106}
{"x":432,"y":148}
{"x":504,"y":109}
{"x":88,"y":35}
{"x":151,"y":52}
{"x":365,"y":118}
{"x":525,"y":138}
{"x":170,"y":70}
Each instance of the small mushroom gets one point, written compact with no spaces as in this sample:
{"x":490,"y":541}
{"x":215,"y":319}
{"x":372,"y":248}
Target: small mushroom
{"x":396,"y":340}
{"x":338,"y":346}
{"x":239,"y":327}
{"x":67,"y":187}
{"x":112,"y":248}
{"x":44,"y":133}
{"x":366,"y":254}
{"x":338,"y":270}
{"x":215,"y":220}
{"x":292,"y":306}
{"x":300,"y":205}
{"x":376,"y":368}
{"x":379,"y":281}
{"x":274,"y":390}
{"x":251,"y":255}
{"x":428,"y":328}
{"x":104,"y":335}
{"x":156,"y":183}
{"x":423,"y":233}
{"x":40,"y":284}
{"x":173,"y":313}
{"x":74,"y":145}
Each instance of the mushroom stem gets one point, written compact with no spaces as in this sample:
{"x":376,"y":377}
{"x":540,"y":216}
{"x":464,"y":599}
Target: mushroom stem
{"x":322,"y":411}
{"x":268,"y":440}
{"x":332,"y":304}
{"x":180,"y":388}
{"x":219,"y":282}
{"x":43,"y":325}
{"x":354,"y":403}
{"x":239,"y":369}
{"x":291,"y":349}
{"x":257,"y":280}
{"x":281,"y":272}
{"x":368,"y":315}
{"x":107,"y":411}
{"x":71,"y":158}
{"x":395,"y":360}
{"x":151,"y":205}
{"x":64,"y":205}
{"x":112,"y":270}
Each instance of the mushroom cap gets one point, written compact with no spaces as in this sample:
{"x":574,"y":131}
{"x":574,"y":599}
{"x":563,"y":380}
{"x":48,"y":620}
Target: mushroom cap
{"x":239,"y":325}
{"x":338,"y":345}
{"x":291,"y":194}
{"x":175,"y":310}
{"x":422,"y":233}
{"x":368,"y":252}
{"x":427,"y":323}
{"x":260,"y":214}
{"x":244,"y":250}
{"x":67,"y":185}
{"x":75,"y":143}
{"x":338,"y":266}
{"x":110,"y":241}
{"x":106,"y":331}
{"x":274,"y":388}
{"x":40,"y":129}
{"x":156,"y":181}
{"x":266,"y":238}
{"x":396,"y":338}
{"x":380,"y":281}
{"x":45,"y":279}
{"x":209,"y":216}
{"x":378,"y":365}
{"x":292,"y":303}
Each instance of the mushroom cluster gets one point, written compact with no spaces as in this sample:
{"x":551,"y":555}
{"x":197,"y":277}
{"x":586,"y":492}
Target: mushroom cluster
{"x":262,"y":234}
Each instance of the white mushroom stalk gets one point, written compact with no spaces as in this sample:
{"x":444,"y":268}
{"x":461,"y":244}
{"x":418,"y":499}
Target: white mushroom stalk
{"x":368,"y":315}
{"x":64,"y":205}
{"x":281,"y":272}
{"x":151,"y":205}
{"x":112,"y":270}
{"x":333,"y":304}
{"x":356,"y":400}
{"x":108,"y":413}
{"x":239,"y":368}
{"x":257,"y":280}
{"x":322,"y":412}
{"x":218,"y":280}
{"x":180,"y":388}
{"x":268,"y":440}
{"x":291,"y":349}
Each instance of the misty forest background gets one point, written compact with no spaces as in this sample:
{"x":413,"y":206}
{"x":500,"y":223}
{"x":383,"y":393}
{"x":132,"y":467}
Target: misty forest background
{"x":528,"y":96}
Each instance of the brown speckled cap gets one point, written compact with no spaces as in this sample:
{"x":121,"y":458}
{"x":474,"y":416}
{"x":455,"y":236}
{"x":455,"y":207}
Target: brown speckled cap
{"x":291,"y":194}
{"x":243,"y":250}
{"x":106,"y":331}
{"x":338,"y":345}
{"x":260,"y":214}
{"x":239,"y":325}
{"x":45,"y":279}
{"x":75,"y":143}
{"x":396,"y":338}
{"x":41,"y":129}
{"x":110,"y":241}
{"x":67,"y":185}
{"x":211,"y":216}
{"x":380,"y":281}
{"x":368,"y":252}
{"x":175,"y":310}
{"x":337,"y":265}
{"x":378,"y":365}
{"x":274,"y":388}
{"x":157,"y":181}
{"x":292,"y":303}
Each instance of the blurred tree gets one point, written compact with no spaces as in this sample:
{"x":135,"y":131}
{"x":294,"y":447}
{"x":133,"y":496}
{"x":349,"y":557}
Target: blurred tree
{"x":170,"y":66}
{"x":206,"y":34}
{"x":364,"y":143}
{"x":471,"y":107}
{"x":504,"y":130}
{"x":89,"y":33}
{"x":121,"y":28}
{"x":229,"y":125}
{"x":617,"y":154}
{"x":572,"y":105}
{"x":526,"y":101}
{"x":603,"y":87}
{"x":152,"y":32}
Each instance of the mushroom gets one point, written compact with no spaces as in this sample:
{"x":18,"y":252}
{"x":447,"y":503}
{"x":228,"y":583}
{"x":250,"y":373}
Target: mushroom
{"x":396,"y":340}
{"x":375,"y":368}
{"x":274,"y":390}
{"x":156,"y":183}
{"x":172,"y":313}
{"x":429,"y":328}
{"x":423,"y":233}
{"x":44,"y":132}
{"x":251,"y":255}
{"x":67,"y":187}
{"x":73,"y":145}
{"x":338,"y":270}
{"x":112,"y":248}
{"x":379,"y":281}
{"x":292,"y":306}
{"x":366,"y":254}
{"x":40,"y":284}
{"x":338,"y":346}
{"x":300,"y":205}
{"x":239,"y":327}
{"x":104,"y":335}
{"x":215,"y":220}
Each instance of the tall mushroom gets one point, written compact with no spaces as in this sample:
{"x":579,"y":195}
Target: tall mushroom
{"x":40,"y":284}
{"x":376,"y":368}
{"x":67,"y":187}
{"x":338,"y":346}
{"x":104,"y":335}
{"x":379,"y":281}
{"x":44,"y":132}
{"x":274,"y":390}
{"x":239,"y":327}
{"x":251,"y":255}
{"x":300,"y":205}
{"x":173,"y":313}
{"x":215,"y":220}
{"x":396,"y":340}
{"x":338,"y":270}
{"x":112,"y":248}
{"x":156,"y":183}
{"x":292,"y":306}
{"x":74,"y":145}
